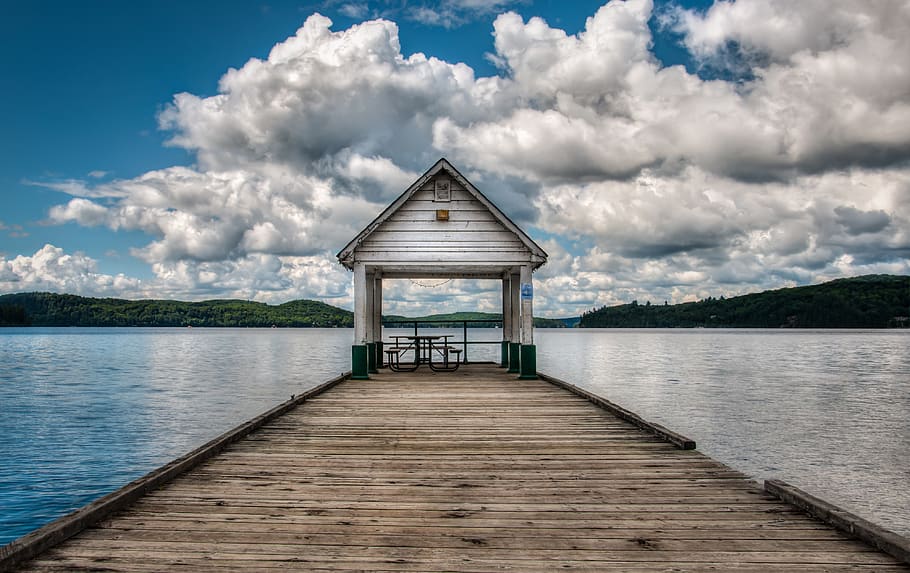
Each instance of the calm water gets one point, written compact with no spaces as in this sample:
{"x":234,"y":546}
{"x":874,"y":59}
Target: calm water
{"x":84,"y":411}
{"x":827,"y":411}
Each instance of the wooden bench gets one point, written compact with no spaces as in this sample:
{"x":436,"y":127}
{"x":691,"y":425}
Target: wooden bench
{"x":446,"y":351}
{"x":393,"y":359}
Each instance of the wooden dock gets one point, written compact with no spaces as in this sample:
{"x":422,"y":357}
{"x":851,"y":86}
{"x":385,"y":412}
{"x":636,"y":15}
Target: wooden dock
{"x":466,"y":471}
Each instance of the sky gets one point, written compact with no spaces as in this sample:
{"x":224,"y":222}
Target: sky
{"x":658,"y":151}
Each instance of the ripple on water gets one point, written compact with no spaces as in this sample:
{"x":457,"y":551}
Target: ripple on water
{"x":85,"y":411}
{"x":823,"y":410}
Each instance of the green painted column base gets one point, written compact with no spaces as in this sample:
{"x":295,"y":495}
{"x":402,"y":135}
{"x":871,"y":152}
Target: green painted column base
{"x":371,"y":358}
{"x":514,"y":357}
{"x":504,"y":355}
{"x":528,"y":362}
{"x":379,"y":359}
{"x":359,"y":362}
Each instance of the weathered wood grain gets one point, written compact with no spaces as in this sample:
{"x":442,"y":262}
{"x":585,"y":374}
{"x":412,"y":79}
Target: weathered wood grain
{"x":464,"y":471}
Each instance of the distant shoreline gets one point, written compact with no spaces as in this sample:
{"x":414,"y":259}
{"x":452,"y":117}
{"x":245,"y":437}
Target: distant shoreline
{"x":871,"y":301}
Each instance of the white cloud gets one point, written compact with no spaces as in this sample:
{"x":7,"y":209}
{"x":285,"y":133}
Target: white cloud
{"x":50,"y":269}
{"x":213,"y":215}
{"x":654,"y":183}
{"x":322,"y":96}
{"x":355,"y":9}
{"x":602,"y":106}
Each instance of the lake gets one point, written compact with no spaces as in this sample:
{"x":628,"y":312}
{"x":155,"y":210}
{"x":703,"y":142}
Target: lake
{"x":84,"y":411}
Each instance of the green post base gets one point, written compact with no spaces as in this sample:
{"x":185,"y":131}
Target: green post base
{"x":359,"y":362}
{"x":379,"y":359}
{"x":504,"y":355}
{"x":514,"y":358}
{"x":528,"y":362}
{"x":371,"y":358}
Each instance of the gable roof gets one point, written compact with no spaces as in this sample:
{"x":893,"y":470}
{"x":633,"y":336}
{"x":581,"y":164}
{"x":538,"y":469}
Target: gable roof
{"x":345,"y":256}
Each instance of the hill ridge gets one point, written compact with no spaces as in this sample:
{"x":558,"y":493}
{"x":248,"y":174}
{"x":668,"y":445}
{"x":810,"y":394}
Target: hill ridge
{"x":868,"y":301}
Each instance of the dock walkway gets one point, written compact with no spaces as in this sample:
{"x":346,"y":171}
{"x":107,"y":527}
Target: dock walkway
{"x":465,"y":471}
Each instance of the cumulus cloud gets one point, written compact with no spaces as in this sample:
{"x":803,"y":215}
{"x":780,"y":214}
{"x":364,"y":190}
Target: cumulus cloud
{"x":604,"y":107}
{"x":219,"y":215}
{"x":322,"y":96}
{"x":646,"y":181}
{"x":51,"y":269}
{"x":261,"y":277}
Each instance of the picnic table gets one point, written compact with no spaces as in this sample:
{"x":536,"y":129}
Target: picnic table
{"x":423,"y":347}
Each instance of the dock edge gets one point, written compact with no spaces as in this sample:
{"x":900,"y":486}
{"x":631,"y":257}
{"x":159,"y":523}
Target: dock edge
{"x":891,"y":543}
{"x":30,"y":545}
{"x":661,"y":432}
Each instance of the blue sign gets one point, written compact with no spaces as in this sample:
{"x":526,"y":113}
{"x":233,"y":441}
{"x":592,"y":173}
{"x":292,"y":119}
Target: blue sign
{"x":527,"y":291}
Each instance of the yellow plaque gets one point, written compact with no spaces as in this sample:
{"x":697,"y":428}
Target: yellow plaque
{"x":442,"y":214}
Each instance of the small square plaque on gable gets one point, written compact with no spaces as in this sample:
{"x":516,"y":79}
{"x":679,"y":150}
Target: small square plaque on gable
{"x":443,"y":191}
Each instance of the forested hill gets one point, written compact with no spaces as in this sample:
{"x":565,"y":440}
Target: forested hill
{"x":47,"y":309}
{"x":872,"y":301}
{"x":486,"y":320}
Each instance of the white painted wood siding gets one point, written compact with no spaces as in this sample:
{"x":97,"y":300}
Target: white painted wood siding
{"x":412,"y":235}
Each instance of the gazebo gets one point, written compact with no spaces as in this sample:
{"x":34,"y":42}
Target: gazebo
{"x":443,"y":227}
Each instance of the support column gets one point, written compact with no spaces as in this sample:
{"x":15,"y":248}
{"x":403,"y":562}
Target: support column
{"x":506,"y":321}
{"x":377,"y":318}
{"x":359,"y":364}
{"x":515,"y":326}
{"x":528,"y":350}
{"x":371,"y":323}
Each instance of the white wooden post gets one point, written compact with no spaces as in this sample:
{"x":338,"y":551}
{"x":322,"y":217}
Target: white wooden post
{"x":368,"y":308}
{"x":360,"y":301}
{"x":370,"y":323}
{"x":528,"y":350}
{"x":515,"y":324}
{"x":527,"y":306}
{"x":377,"y":316}
{"x":506,"y":320}
{"x":359,"y":366}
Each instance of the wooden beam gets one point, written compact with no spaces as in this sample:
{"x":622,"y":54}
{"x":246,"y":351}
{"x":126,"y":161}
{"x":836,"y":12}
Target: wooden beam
{"x":506,"y":307}
{"x":663,"y":433}
{"x":889,"y":542}
{"x":514,"y":282}
{"x":527,"y":306}
{"x":369,"y":301}
{"x":377,"y":307}
{"x":360,"y":304}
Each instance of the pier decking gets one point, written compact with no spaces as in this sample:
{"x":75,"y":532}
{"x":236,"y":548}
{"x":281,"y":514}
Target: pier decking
{"x":466,"y":471}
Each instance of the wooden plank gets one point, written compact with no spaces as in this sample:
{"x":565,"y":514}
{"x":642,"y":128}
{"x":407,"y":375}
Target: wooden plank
{"x":469,"y":471}
{"x":458,"y":221}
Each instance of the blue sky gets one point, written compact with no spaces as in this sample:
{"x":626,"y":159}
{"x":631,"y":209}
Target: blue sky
{"x":776,"y":155}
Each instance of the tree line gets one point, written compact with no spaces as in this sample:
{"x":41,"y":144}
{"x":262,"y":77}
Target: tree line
{"x":49,"y":309}
{"x":871,"y":301}
{"x":478,"y":320}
